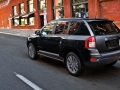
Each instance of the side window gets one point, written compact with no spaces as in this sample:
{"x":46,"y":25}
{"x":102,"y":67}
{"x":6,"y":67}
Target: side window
{"x":48,"y":29}
{"x":73,"y":27}
{"x":61,"y":28}
{"x":104,"y":28}
{"x":82,"y":30}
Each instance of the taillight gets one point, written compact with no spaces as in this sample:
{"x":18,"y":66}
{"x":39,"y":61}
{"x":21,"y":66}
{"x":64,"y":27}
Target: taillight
{"x":90,"y":42}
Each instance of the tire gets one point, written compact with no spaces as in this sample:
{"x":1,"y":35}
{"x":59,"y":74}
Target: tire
{"x":73,"y":64}
{"x":32,"y":51}
{"x":111,"y":64}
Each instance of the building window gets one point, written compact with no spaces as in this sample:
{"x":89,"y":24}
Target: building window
{"x":22,"y":21}
{"x":15,"y":11}
{"x":31,"y":21}
{"x":58,"y":3}
{"x":42,"y":4}
{"x":30,"y":6}
{"x":16,"y":22}
{"x":58,"y":9}
{"x":80,"y":8}
{"x":22,"y":9}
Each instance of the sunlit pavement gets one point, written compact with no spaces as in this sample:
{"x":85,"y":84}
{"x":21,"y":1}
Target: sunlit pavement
{"x":17,"y":32}
{"x":46,"y":73}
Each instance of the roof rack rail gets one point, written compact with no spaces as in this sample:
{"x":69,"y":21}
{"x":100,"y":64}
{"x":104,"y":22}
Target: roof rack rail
{"x":82,"y":18}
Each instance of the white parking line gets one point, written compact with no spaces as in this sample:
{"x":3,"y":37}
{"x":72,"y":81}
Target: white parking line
{"x":31,"y":84}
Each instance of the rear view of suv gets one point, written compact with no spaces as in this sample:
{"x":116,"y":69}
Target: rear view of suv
{"x":77,"y":42}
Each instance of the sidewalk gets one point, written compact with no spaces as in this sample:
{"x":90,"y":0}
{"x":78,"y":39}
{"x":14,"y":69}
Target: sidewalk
{"x":17,"y":32}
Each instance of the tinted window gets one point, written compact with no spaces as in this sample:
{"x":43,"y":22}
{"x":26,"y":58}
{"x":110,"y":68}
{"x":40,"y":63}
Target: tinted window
{"x":82,"y":30}
{"x":61,"y":28}
{"x":48,"y":29}
{"x":73,"y":27}
{"x":103,"y":28}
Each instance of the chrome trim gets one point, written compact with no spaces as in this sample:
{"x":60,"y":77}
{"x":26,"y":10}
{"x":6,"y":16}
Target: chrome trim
{"x":94,"y":52}
{"x":78,"y":37}
{"x":52,"y":57}
{"x":63,"y":36}
{"x":49,"y":53}
{"x":91,"y":33}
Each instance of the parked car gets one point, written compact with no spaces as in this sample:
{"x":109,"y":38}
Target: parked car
{"x":77,"y":42}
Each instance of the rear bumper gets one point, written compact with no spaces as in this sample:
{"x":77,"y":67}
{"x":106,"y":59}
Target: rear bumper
{"x":104,"y":58}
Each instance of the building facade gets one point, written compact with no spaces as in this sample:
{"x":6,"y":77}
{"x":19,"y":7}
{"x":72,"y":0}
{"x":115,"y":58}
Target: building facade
{"x":33,"y":14}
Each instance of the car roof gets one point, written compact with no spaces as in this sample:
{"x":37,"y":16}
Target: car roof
{"x":83,"y":19}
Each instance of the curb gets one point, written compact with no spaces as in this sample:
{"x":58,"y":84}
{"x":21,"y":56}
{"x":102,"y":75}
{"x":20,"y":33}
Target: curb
{"x":14,"y":34}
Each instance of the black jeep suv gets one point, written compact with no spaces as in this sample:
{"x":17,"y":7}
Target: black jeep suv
{"x":77,"y":42}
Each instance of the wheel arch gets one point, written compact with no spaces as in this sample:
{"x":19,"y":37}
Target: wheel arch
{"x":66,"y":50}
{"x":28,"y":42}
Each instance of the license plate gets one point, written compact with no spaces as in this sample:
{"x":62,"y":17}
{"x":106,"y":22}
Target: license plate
{"x":114,"y":43}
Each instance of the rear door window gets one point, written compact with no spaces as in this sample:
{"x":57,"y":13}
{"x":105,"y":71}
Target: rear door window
{"x":61,"y":27}
{"x":73,"y":27}
{"x":104,"y":28}
{"x":78,"y":28}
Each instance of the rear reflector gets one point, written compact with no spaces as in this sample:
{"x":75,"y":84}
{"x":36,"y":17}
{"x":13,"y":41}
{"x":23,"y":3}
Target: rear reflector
{"x":90,"y":42}
{"x":93,"y":59}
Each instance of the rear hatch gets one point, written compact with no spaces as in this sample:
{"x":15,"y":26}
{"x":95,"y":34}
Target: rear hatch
{"x":107,"y":35}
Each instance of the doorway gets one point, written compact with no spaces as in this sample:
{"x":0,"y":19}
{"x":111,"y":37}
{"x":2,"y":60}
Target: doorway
{"x":41,"y":20}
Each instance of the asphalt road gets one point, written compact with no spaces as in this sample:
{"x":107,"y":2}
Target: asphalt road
{"x":46,"y":73}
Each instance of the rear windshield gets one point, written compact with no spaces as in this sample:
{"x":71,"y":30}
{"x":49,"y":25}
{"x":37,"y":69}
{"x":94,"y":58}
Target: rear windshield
{"x":104,"y":28}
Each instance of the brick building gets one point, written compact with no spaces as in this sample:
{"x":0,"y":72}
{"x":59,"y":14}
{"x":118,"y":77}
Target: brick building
{"x":33,"y":14}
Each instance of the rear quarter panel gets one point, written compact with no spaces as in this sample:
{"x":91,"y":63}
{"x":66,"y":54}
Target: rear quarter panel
{"x":77,"y":42}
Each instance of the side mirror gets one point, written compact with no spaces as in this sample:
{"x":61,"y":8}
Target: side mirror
{"x":37,"y":32}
